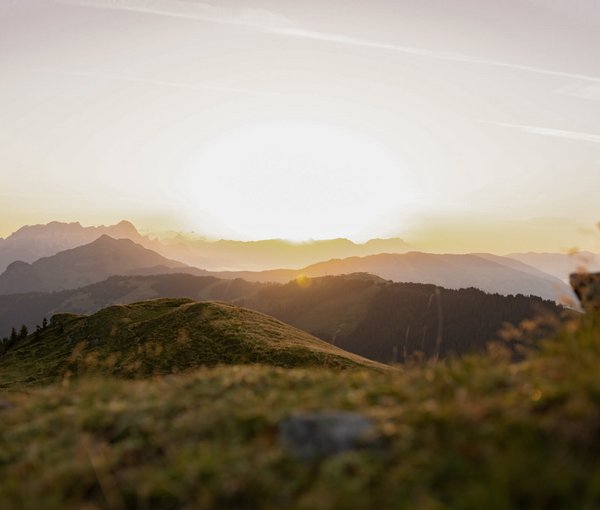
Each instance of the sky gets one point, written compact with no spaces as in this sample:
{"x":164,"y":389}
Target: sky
{"x":458,"y":125}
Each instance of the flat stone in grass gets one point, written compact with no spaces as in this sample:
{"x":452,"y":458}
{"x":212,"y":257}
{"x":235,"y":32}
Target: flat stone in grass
{"x":317,"y":435}
{"x":6,"y":405}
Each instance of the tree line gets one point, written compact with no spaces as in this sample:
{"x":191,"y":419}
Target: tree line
{"x":8,"y":342}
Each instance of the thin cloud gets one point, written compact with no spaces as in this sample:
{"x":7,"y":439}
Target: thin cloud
{"x":149,"y":81}
{"x":554,"y":133}
{"x":439,"y":55}
{"x":261,"y":19}
{"x":272,"y":23}
{"x":589,"y":91}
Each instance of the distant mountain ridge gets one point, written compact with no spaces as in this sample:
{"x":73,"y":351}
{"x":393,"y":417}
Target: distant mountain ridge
{"x":560,"y":265}
{"x":33,"y":242}
{"x":489,"y":273}
{"x":84,"y":265}
{"x":271,"y":253}
{"x":30,"y":243}
{"x":106,"y":257}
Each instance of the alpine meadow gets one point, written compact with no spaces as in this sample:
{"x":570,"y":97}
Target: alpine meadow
{"x":319,"y":255}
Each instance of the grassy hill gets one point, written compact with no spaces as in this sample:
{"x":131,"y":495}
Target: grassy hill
{"x":480,"y":432}
{"x":31,"y":308}
{"x":163,"y":336}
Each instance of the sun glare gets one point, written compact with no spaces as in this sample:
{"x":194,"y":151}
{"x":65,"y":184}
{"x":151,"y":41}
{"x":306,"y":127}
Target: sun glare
{"x":295,"y":181}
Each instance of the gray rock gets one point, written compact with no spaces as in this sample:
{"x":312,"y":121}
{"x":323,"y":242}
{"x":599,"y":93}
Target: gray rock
{"x":587,"y":288}
{"x":318,"y":435}
{"x":6,"y":405}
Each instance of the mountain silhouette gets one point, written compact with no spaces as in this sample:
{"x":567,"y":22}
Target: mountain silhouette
{"x":560,"y":265}
{"x":32,"y":242}
{"x":489,"y":273}
{"x":270,"y":253}
{"x":83,"y":265}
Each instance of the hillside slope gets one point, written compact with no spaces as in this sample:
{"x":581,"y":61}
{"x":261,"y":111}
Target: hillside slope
{"x":390,"y":322}
{"x":161,"y":337}
{"x":83,"y":265}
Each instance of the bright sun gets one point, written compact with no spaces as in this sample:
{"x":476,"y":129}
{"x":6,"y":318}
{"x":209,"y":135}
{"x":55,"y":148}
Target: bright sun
{"x":295,"y":181}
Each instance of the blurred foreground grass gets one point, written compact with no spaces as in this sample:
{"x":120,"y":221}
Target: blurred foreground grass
{"x":476,"y":433}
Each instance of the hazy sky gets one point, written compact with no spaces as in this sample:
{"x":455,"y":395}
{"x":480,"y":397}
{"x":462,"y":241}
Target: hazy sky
{"x":456,"y":124}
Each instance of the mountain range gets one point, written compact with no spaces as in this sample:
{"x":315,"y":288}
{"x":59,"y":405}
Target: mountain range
{"x":385,"y":306}
{"x":106,"y":257}
{"x":265,"y":254}
{"x":257,"y":260}
{"x":487,"y":272}
{"x":30,"y":243}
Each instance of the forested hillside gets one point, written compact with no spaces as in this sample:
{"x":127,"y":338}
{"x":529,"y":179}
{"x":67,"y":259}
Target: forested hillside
{"x":390,"y":322}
